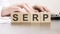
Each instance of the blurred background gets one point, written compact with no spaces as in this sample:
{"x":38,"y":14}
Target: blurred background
{"x":53,"y":5}
{"x":52,"y":28}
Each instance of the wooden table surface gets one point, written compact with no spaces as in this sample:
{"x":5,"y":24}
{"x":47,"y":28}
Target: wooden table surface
{"x":52,"y":28}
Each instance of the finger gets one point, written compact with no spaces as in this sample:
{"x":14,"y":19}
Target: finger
{"x":21,"y":6}
{"x":28,"y":9}
{"x":18,"y":5}
{"x":39,"y":8}
{"x":29,"y":6}
{"x":23,"y":10}
{"x":36,"y":11}
{"x":46,"y":9}
{"x":6,"y":11}
{"x":15,"y":9}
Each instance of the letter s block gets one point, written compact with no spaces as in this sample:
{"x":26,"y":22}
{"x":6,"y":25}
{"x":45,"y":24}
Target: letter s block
{"x":15,"y":17}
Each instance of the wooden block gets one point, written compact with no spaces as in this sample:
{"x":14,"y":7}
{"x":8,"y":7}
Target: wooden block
{"x":15,"y":17}
{"x":42,"y":17}
{"x":45,"y":17}
{"x":34,"y":17}
{"x":26,"y":17}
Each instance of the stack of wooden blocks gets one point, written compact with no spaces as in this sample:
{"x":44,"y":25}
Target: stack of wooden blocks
{"x":42,"y":17}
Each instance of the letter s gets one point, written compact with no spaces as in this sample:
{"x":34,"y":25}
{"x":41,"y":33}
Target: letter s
{"x":15,"y":17}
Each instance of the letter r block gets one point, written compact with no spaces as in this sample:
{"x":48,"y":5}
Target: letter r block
{"x":34,"y":17}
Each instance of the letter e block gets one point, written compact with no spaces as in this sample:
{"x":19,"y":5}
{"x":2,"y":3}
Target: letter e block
{"x":26,"y":17}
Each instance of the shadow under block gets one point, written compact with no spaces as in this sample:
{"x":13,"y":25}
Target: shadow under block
{"x":42,"y":17}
